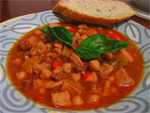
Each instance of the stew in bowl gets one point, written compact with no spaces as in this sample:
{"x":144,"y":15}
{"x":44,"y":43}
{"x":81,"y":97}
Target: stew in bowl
{"x":98,"y":67}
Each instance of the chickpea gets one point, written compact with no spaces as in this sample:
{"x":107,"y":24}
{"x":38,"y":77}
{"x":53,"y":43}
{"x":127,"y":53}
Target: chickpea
{"x":83,"y":37}
{"x":58,"y":44}
{"x":76,"y":77}
{"x":66,"y":67}
{"x":42,"y":36}
{"x":17,"y":61}
{"x":56,"y":70}
{"x":42,"y":90}
{"x":94,"y":65}
{"x":77,"y":34}
{"x":76,"y":59}
{"x":21,"y":75}
{"x":80,"y":31}
{"x":82,"y":26}
{"x":111,"y":78}
{"x":77,"y":101}
{"x":99,"y":29}
{"x":93,"y":99}
{"x":90,"y":32}
{"x":46,"y":73}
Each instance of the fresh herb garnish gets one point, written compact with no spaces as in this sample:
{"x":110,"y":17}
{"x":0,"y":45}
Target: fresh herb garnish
{"x":60,"y":33}
{"x":97,"y":44}
{"x":89,"y":48}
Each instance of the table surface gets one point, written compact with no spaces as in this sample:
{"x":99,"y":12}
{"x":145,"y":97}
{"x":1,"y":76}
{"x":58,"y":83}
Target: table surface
{"x":13,"y":8}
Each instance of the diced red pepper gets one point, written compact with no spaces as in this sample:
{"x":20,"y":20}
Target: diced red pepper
{"x":39,"y":97}
{"x":71,"y":29}
{"x":75,"y":45}
{"x":114,"y":36}
{"x":57,"y":63}
{"x":86,"y":75}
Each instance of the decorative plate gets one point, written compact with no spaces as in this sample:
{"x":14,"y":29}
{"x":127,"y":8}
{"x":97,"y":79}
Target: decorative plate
{"x":11,"y":101}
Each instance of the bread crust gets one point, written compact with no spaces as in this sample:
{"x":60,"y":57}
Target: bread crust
{"x":84,"y":17}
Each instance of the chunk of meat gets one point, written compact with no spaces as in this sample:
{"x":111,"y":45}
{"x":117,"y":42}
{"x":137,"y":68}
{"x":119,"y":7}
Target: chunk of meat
{"x":122,"y":78}
{"x":28,"y":43}
{"x":126,"y":54}
{"x":61,"y":99}
{"x":39,"y":67}
{"x":59,"y":76}
{"x":57,"y":50}
{"x":76,"y":59}
{"x":66,"y":51}
{"x":25,"y":45}
{"x":52,"y":55}
{"x":49,"y":84}
{"x":78,"y":69}
{"x":29,"y":64}
{"x":105,"y":70}
{"x":94,"y":65}
{"x":108,"y":56}
{"x":92,"y":78}
{"x":58,"y":44}
{"x":37,"y":49}
{"x":66,"y":86}
{"x":46,"y":48}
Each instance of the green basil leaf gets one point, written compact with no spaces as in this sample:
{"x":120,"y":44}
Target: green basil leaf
{"x":63,"y":34}
{"x":97,"y":44}
{"x":46,"y":30}
{"x":60,"y":33}
{"x":91,"y":47}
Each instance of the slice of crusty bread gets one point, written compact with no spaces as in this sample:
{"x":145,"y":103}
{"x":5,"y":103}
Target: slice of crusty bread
{"x":94,"y":11}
